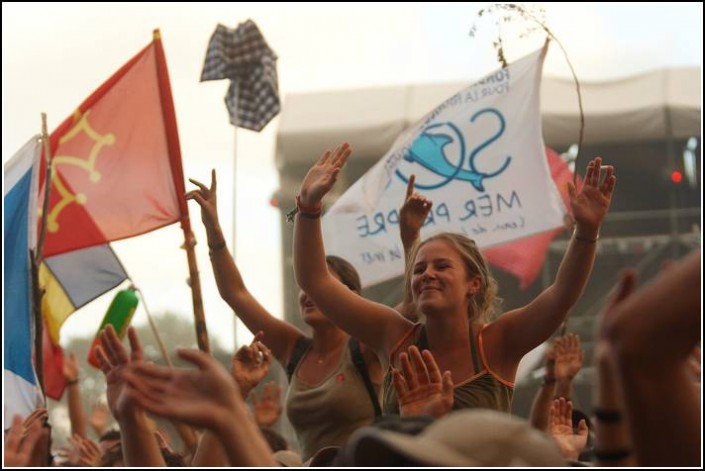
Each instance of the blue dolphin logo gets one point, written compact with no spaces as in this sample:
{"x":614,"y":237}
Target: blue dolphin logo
{"x":428,"y":150}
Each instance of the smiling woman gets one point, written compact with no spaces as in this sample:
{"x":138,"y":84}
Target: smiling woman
{"x":429,"y":43}
{"x":322,"y":413}
{"x":448,"y":283}
{"x":453,"y":255}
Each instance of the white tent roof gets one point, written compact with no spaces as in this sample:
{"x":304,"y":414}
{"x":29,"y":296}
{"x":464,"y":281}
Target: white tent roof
{"x":646,"y":107}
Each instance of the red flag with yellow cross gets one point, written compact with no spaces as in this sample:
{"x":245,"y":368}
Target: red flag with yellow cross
{"x":116,"y":173}
{"x":116,"y":160}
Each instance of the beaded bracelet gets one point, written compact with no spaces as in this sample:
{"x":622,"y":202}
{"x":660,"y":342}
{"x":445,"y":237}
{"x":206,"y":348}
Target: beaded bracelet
{"x":305,"y":211}
{"x":310,"y":215}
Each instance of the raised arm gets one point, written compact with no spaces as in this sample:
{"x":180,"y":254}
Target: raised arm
{"x":281,"y":336}
{"x":76,"y":414}
{"x":613,"y":439}
{"x":84,"y":452}
{"x":541,"y":407}
{"x":525,"y":328}
{"x":560,"y":428}
{"x":569,"y":361}
{"x":100,"y":415}
{"x":22,"y":444}
{"x":250,"y":365}
{"x":374,"y":324}
{"x":267,"y":406}
{"x":139,"y":445}
{"x":420,"y":387}
{"x":205,"y":397}
{"x":412,"y":215}
{"x":39,"y":455}
{"x":653,"y":333}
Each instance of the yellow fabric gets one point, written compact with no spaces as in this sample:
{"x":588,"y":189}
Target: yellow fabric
{"x":56,"y":306}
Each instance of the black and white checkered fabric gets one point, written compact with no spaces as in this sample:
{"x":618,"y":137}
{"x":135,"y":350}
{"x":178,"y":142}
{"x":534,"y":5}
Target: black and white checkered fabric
{"x":243,"y":56}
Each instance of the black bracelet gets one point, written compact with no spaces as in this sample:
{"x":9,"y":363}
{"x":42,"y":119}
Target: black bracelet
{"x":612,"y":455}
{"x":216,"y":247}
{"x":305,"y":211}
{"x":309,"y":215}
{"x":72,"y":382}
{"x":605,"y":415}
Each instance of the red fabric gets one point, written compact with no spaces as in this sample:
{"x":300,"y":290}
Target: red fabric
{"x":524,"y":258}
{"x":54,"y":381}
{"x":172,"y":134}
{"x":115,"y":178}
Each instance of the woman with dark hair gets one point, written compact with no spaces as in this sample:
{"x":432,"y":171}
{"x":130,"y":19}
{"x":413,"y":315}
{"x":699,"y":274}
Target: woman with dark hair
{"x":334,"y":380}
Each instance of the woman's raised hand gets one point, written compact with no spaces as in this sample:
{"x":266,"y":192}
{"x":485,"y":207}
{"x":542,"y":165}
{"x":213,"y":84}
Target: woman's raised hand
{"x":321,"y":177}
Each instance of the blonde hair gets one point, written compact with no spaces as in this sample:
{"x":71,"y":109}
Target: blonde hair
{"x":483,"y":303}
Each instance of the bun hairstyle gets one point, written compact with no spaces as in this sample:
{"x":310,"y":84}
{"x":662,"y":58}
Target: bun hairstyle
{"x":345,"y":271}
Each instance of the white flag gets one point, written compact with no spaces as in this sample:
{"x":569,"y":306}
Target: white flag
{"x":479,"y":157}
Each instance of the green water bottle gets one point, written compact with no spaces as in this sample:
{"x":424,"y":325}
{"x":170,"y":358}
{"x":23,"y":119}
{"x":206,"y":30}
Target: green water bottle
{"x":119,"y":315}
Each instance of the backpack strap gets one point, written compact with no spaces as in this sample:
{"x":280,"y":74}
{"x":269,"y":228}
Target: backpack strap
{"x":302,"y":344}
{"x":361,"y":367}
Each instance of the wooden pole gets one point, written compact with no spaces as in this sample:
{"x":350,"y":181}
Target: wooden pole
{"x":172,"y":140}
{"x":37,"y":294}
{"x":47,"y":190}
{"x":234,"y":252}
{"x":195,"y":283}
{"x":36,"y":257}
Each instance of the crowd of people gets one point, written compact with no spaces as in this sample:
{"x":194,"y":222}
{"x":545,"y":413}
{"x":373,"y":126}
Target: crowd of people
{"x":429,"y":382}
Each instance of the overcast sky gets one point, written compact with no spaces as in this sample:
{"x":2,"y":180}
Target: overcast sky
{"x":55,"y":55}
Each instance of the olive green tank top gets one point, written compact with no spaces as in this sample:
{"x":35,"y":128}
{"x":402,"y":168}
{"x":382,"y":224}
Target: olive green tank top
{"x":329,"y":412}
{"x":484,"y":390}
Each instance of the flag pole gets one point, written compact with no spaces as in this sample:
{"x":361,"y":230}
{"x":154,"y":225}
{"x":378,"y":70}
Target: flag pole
{"x":172,"y":138}
{"x":234,"y":252}
{"x":195,"y":285}
{"x":153,"y":326}
{"x":226,"y":48}
{"x":36,"y":261}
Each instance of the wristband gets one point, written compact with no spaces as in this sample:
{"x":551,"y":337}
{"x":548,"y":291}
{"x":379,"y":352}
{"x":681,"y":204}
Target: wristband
{"x":216,"y":247}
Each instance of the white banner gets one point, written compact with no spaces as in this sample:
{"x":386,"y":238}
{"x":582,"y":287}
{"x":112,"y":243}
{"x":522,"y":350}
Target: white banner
{"x":479,"y":157}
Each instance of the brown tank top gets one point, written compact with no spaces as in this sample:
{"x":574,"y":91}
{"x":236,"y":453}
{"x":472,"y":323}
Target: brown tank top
{"x":484,"y":390}
{"x":329,"y":412}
